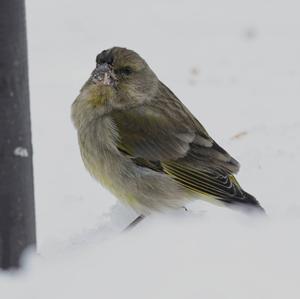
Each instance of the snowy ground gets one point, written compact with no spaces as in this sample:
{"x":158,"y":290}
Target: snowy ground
{"x":236,"y":65}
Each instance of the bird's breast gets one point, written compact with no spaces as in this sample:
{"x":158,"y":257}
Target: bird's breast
{"x":100,"y":155}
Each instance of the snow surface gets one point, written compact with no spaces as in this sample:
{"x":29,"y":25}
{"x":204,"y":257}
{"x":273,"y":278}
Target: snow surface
{"x":236,"y":65}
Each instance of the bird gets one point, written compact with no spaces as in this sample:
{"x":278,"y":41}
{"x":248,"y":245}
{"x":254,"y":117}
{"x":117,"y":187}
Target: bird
{"x":143,"y":144}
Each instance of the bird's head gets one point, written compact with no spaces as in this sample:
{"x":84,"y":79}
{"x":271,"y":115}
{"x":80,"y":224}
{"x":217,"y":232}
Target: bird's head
{"x":121,"y":78}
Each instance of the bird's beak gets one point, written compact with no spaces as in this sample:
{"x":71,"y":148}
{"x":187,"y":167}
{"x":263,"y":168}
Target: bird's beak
{"x":103,"y":74}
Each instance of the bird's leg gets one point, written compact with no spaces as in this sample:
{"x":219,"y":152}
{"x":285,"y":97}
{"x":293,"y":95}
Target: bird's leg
{"x":135,"y":222}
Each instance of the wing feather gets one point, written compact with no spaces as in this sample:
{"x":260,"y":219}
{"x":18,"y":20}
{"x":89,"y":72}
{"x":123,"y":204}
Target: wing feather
{"x":165,"y":137}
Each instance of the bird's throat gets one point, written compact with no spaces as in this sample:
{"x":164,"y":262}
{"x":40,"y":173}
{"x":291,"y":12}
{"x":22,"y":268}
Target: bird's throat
{"x":100,"y":95}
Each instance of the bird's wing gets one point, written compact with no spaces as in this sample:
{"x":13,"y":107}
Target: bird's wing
{"x":164,"y":136}
{"x":167,"y":142}
{"x":155,"y":135}
{"x":165,"y":130}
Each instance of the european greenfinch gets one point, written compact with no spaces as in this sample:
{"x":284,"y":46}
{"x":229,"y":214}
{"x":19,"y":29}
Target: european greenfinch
{"x":139,"y":141}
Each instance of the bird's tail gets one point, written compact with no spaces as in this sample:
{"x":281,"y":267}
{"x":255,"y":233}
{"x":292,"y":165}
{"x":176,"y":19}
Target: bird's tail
{"x":247,"y":203}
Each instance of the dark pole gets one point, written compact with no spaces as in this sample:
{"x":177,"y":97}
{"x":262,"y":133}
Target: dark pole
{"x":17,"y":221}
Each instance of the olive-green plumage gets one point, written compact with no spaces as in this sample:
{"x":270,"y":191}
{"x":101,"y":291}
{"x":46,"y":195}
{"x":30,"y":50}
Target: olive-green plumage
{"x":138,"y":140}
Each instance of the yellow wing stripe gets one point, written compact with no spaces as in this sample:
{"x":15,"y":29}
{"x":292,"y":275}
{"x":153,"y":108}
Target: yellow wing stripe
{"x":201,"y":177}
{"x":199,"y":174}
{"x":201,"y":185}
{"x":191,"y":181}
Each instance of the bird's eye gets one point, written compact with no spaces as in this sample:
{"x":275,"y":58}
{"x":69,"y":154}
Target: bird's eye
{"x":126,"y":70}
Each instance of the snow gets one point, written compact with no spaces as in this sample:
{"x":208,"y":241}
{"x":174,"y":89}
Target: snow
{"x":21,"y":151}
{"x":236,"y":65}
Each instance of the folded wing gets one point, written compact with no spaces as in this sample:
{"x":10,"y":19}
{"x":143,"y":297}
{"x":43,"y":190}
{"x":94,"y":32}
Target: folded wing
{"x":169,"y":139}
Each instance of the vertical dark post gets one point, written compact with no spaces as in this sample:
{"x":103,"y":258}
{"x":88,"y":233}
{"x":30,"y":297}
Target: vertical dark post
{"x":17,"y":220}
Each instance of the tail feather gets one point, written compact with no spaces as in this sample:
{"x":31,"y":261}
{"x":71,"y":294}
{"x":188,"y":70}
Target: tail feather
{"x":247,"y":203}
